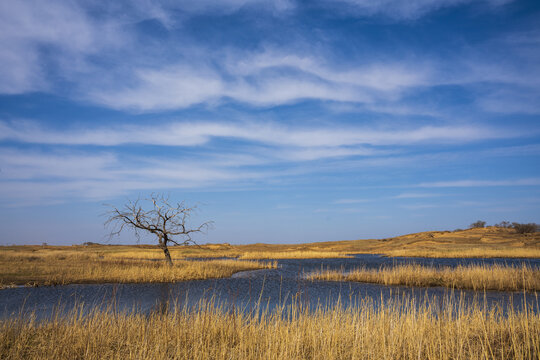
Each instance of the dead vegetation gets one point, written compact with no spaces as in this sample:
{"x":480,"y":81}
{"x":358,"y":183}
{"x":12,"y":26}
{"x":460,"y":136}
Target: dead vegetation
{"x":56,"y":266}
{"x":401,"y":329}
{"x":476,"y":277}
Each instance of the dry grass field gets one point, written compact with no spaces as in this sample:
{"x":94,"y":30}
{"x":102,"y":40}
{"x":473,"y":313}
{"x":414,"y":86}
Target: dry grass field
{"x":479,"y":242}
{"x":65,"y":265}
{"x":486,"y":242}
{"x":398,"y":330}
{"x":476,"y":277}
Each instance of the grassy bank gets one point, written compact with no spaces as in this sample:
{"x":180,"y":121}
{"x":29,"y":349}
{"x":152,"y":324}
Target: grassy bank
{"x":477,"y":277}
{"x":47,"y":267}
{"x":402,"y":330}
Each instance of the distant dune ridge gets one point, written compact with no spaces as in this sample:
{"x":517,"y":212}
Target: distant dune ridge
{"x":488,"y":241}
{"x":477,"y":242}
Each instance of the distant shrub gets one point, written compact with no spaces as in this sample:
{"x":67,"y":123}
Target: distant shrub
{"x":525,"y":228}
{"x":478,"y":224}
{"x":89,"y":243}
{"x":504,"y":224}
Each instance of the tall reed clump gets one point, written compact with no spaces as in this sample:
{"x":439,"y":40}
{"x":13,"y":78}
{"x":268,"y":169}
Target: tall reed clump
{"x":83,"y":268}
{"x":293,"y":255}
{"x":176,"y":253}
{"x":465,"y":252}
{"x":477,"y":277}
{"x":397,"y":330}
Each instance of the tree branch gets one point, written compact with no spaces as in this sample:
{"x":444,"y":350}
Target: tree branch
{"x":159,"y":218}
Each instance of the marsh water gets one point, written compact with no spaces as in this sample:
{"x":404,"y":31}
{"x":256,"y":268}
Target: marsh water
{"x":264,"y":289}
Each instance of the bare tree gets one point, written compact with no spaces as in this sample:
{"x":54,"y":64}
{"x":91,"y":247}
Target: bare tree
{"x":168,"y":222}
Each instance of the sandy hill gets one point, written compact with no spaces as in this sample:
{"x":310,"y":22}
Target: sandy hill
{"x":491,"y":241}
{"x":478,"y":242}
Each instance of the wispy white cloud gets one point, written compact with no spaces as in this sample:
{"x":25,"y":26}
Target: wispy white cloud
{"x":420,"y":206}
{"x":76,"y":30}
{"x":412,"y":9}
{"x":274,"y":75}
{"x":520,"y":150}
{"x":38,"y":176}
{"x":73,"y":32}
{"x":277,"y":76}
{"x":162,"y":9}
{"x":346,"y":210}
{"x":410,"y":195}
{"x":511,"y":101}
{"x":79,"y":172}
{"x":351,"y":201}
{"x":166,"y":88}
{"x":265,"y":78}
{"x":29,"y":27}
{"x":481,"y":183}
{"x":262,"y":78}
{"x":21,"y":165}
{"x":319,"y":139}
{"x":379,"y":75}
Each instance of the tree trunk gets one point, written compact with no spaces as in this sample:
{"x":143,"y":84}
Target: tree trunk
{"x":167,"y":254}
{"x":162,"y":240}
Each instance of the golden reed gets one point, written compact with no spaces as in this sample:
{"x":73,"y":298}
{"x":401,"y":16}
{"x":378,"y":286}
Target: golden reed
{"x":477,"y":277}
{"x":65,"y":267}
{"x":400,"y":329}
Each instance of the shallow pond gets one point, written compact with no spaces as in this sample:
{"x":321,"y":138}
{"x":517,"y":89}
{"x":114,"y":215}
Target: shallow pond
{"x":270,"y":288}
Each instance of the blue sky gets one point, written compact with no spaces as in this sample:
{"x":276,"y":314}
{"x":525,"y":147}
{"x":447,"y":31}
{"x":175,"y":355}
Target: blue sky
{"x":286,"y":121}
